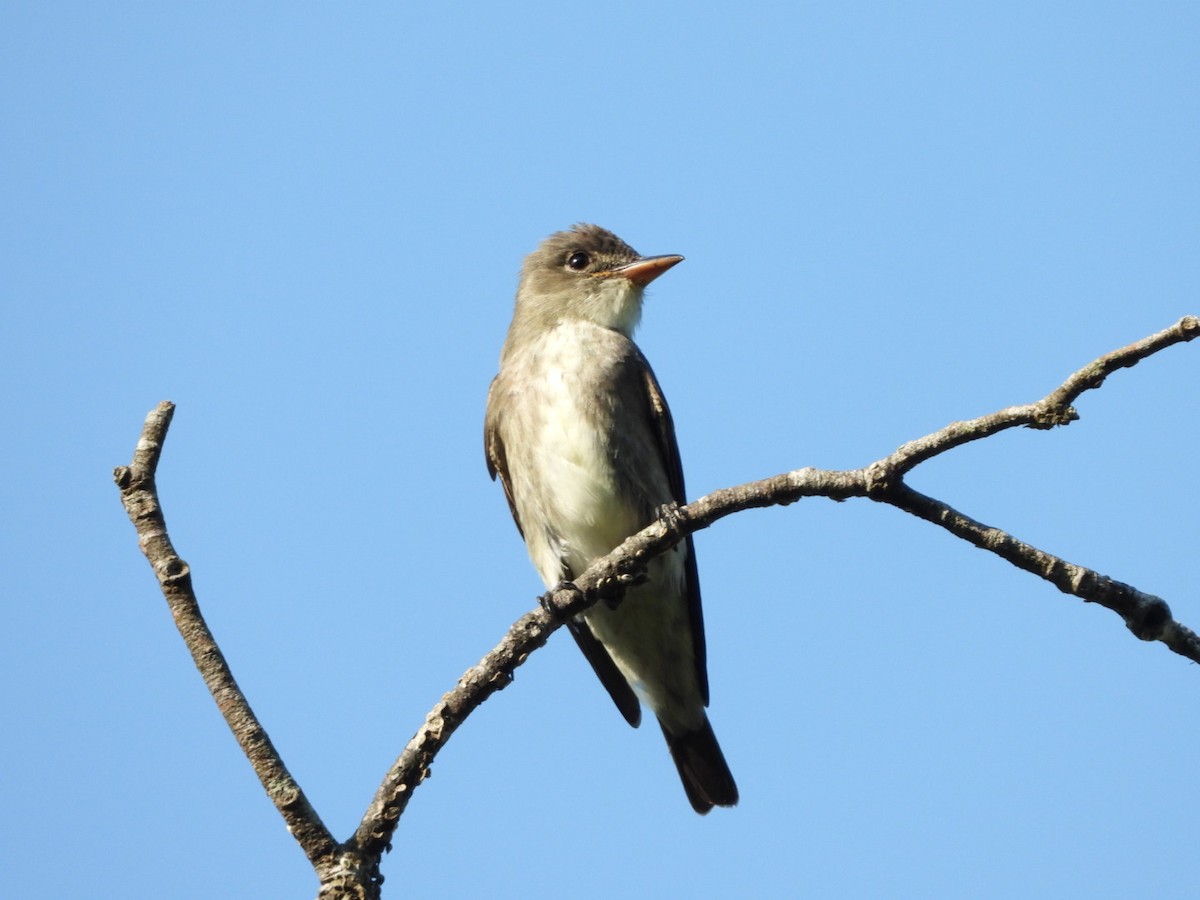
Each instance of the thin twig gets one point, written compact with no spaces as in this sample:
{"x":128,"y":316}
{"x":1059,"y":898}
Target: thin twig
{"x":139,"y":495}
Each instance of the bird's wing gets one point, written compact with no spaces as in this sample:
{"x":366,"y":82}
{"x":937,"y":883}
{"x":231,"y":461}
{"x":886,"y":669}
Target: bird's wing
{"x":497,"y":461}
{"x":606,"y":670}
{"x":664,"y":430}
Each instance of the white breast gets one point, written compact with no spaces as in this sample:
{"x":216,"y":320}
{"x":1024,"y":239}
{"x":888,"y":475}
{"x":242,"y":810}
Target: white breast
{"x":569,"y":483}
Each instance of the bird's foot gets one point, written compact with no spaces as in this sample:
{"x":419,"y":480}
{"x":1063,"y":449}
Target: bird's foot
{"x":546,"y":600}
{"x":672,"y":518}
{"x":613,"y":589}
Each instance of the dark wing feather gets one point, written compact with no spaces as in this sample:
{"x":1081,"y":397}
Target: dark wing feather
{"x":664,"y":429}
{"x":606,"y":670}
{"x":497,"y":462}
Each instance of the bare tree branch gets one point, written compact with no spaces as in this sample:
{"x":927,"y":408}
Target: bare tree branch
{"x":1147,"y":616}
{"x":352,"y":869}
{"x":139,"y":494}
{"x":1054,"y":409}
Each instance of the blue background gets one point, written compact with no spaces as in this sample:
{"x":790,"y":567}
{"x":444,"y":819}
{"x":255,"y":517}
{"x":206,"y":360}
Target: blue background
{"x":302,"y":223}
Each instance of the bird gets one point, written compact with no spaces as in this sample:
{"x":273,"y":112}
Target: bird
{"x":581,"y":438}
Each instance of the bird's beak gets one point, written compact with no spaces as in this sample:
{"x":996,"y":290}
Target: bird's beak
{"x":643,"y":271}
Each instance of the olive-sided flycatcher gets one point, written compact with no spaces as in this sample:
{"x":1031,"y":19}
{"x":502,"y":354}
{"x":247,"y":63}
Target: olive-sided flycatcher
{"x":581,"y":437}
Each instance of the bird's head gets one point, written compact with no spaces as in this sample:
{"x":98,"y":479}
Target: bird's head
{"x":587,"y":274}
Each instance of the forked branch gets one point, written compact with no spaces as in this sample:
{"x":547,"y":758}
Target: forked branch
{"x":352,"y":868}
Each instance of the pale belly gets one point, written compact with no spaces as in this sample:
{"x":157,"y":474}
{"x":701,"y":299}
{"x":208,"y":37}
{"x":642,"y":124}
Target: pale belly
{"x":574,"y":506}
{"x":579,"y":492}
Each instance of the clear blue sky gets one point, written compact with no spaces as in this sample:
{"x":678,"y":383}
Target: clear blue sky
{"x":302,"y":223}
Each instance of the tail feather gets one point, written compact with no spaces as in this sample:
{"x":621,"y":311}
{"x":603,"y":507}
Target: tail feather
{"x":702,"y":768}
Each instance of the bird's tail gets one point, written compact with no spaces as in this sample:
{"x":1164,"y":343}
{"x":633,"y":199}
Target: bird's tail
{"x":702,"y":767}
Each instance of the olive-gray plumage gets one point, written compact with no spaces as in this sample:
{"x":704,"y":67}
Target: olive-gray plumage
{"x":579,"y":433}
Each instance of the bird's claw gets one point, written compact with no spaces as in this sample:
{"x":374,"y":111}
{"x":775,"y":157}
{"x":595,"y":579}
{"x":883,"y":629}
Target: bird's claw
{"x":546,"y":600}
{"x":614,"y":589}
{"x":671,"y":518}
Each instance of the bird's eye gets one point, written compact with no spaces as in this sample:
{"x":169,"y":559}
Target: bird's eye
{"x":578,"y":261}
